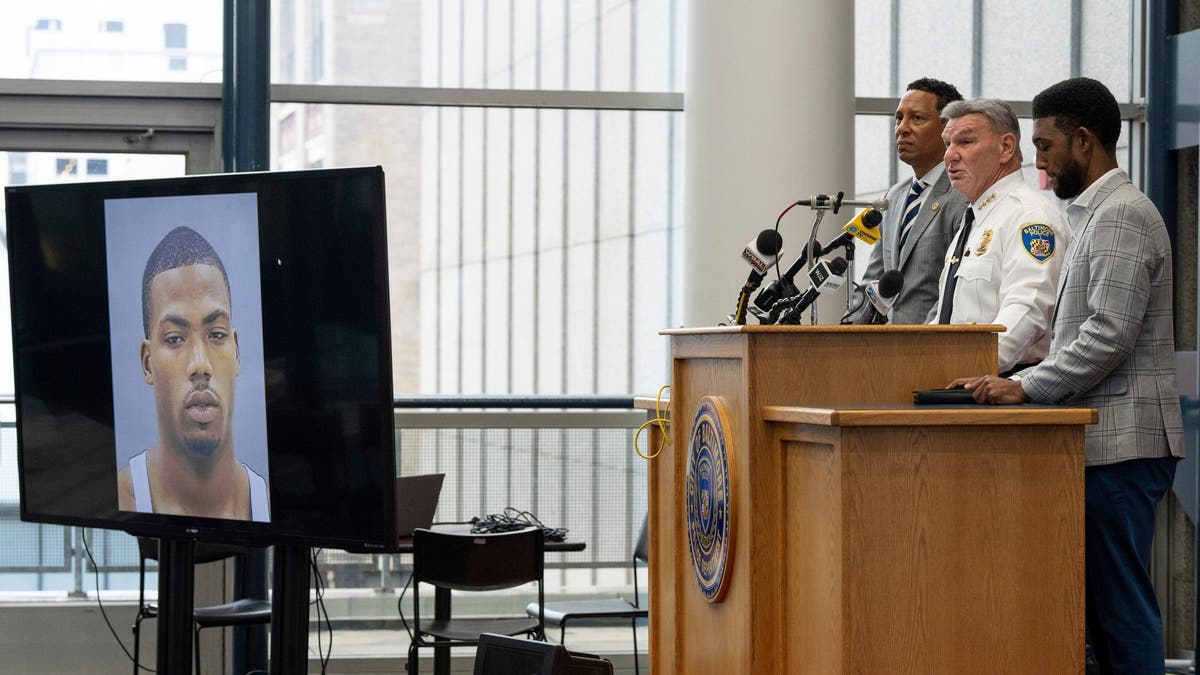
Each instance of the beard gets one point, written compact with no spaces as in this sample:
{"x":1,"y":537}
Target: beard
{"x":201,"y":447}
{"x":1069,"y":182}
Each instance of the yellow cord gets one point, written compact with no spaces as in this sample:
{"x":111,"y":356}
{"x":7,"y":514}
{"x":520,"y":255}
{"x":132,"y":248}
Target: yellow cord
{"x":663,"y":422}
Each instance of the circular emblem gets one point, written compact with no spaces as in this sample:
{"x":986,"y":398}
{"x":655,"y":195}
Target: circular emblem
{"x":709,"y":502}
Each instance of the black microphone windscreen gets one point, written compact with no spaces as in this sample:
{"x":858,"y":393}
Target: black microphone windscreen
{"x":891,"y":283}
{"x":769,"y":242}
{"x":872,"y":218}
{"x":837,"y":266}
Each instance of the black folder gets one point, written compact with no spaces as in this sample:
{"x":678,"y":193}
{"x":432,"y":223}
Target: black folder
{"x":958,"y":396}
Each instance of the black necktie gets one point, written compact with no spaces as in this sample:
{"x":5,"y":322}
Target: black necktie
{"x":952,"y":274}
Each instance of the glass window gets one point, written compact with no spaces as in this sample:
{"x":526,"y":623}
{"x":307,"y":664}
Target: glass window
{"x":875,"y":155}
{"x":517,"y":240}
{"x":111,"y":40}
{"x":1106,"y":52}
{"x":991,"y":47}
{"x":175,"y":35}
{"x":613,"y":45}
{"x":17,"y":162}
{"x":285,"y":34}
{"x":316,"y":49}
{"x":1026,"y":47}
{"x":46,"y":557}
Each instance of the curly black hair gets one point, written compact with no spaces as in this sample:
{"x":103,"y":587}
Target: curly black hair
{"x":1081,"y":102}
{"x":944,"y":91}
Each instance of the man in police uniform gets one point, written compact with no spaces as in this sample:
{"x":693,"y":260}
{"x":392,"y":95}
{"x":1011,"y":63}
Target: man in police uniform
{"x":918,"y":226}
{"x":1004,"y":263}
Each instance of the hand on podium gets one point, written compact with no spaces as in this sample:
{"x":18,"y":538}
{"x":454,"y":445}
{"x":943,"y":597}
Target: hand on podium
{"x":992,"y":389}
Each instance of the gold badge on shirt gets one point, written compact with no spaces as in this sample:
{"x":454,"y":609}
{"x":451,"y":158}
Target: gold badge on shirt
{"x":985,"y":240}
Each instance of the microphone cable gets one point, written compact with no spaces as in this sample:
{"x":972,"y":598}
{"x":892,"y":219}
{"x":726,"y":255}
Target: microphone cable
{"x":662,"y":418}
{"x":512,"y":520}
{"x":778,"y":275}
{"x":862,"y":289}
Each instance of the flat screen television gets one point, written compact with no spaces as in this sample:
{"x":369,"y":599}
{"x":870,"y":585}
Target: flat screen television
{"x":206,"y":357}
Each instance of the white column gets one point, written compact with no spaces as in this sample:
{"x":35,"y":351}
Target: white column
{"x":769,"y":119}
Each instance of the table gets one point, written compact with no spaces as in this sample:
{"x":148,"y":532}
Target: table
{"x":441,"y":596}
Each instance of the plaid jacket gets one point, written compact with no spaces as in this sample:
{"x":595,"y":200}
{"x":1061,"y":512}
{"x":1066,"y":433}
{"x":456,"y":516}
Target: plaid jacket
{"x":1112,"y":346}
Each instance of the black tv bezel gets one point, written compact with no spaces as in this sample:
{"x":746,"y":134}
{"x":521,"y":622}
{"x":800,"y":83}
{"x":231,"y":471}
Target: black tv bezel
{"x":220,"y":530}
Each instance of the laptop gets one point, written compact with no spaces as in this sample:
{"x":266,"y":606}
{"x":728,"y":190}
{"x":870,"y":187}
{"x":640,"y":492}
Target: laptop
{"x":416,"y":500}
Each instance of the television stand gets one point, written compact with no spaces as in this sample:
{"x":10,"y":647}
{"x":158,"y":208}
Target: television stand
{"x":176,"y":583}
{"x":289,"y":609}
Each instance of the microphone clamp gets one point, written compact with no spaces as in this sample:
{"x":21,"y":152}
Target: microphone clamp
{"x":835,"y":202}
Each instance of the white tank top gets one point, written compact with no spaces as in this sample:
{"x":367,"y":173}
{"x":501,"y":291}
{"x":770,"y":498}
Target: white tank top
{"x":260,"y":510}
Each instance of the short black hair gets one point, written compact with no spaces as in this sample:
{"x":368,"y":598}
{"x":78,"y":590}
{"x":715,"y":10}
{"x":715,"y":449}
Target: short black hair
{"x":1081,"y":102}
{"x":181,"y":247}
{"x":944,"y":91}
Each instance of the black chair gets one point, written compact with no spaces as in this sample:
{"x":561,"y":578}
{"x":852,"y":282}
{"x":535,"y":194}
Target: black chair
{"x":474,"y":562}
{"x":561,"y":613}
{"x":242,"y":612}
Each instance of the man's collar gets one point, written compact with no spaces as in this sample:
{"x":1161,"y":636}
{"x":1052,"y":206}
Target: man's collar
{"x":992,"y":196}
{"x":1087,"y":199}
{"x":931,"y":176}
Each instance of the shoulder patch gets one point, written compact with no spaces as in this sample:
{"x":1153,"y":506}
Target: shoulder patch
{"x":1038,"y":239}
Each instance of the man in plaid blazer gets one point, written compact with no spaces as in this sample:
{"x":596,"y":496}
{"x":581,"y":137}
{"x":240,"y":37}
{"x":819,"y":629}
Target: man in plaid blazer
{"x":1112,"y":349}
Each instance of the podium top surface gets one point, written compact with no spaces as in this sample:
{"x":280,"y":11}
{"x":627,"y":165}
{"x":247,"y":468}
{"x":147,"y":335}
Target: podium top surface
{"x":912,"y":415}
{"x":836,"y":328}
{"x":931,"y":415}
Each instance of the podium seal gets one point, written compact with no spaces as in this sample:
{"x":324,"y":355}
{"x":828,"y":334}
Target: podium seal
{"x":709,"y":504}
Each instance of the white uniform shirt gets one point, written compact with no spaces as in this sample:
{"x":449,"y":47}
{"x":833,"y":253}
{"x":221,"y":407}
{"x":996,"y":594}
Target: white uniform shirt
{"x":1010,"y":268}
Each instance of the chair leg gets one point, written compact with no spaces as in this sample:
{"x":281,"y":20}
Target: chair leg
{"x":637,"y":667}
{"x":137,"y":639}
{"x":196,"y":649}
{"x":413,"y":668}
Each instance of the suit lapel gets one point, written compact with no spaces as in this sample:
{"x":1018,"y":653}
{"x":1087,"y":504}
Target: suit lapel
{"x":1102,"y":193}
{"x":924,"y":217}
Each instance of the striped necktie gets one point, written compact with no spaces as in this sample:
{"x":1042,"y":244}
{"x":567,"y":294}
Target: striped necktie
{"x":911,"y":206}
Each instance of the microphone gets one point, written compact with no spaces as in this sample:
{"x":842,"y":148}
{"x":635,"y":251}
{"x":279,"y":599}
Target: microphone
{"x":785,"y":285}
{"x":864,"y":226}
{"x":881,"y":293}
{"x":825,"y":277}
{"x":835,"y":202}
{"x":761,"y":253}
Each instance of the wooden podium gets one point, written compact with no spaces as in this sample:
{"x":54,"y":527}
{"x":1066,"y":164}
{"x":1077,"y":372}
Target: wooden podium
{"x":869,"y":535}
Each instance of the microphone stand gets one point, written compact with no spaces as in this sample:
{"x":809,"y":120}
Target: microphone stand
{"x":820,"y":207}
{"x":849,"y":247}
{"x":739,"y":314}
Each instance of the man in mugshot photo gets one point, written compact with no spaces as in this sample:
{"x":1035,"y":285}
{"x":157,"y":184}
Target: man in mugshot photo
{"x":189,"y":354}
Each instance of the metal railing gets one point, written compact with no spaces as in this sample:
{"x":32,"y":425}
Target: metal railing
{"x":566,"y":460}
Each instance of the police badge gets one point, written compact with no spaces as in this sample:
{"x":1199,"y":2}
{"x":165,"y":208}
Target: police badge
{"x":985,"y":240}
{"x":1038,"y":239}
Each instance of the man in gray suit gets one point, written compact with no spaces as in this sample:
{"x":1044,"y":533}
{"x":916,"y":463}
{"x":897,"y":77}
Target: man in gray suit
{"x":924,"y":212}
{"x":1112,"y":349}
